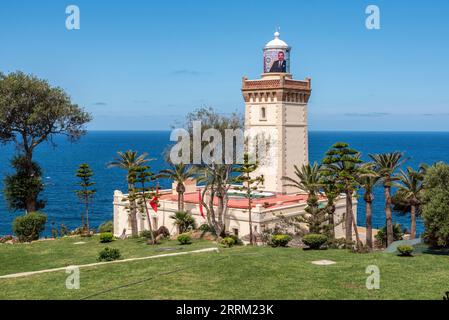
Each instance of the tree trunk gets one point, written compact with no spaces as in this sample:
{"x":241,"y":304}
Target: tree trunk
{"x":133,"y":213}
{"x":149,"y":218}
{"x":359,"y":243}
{"x":369,"y":223}
{"x":31,"y":203}
{"x":388,"y":215}
{"x":331,"y":212}
{"x":349,"y":217}
{"x":87,"y":215}
{"x":182,"y":201}
{"x":250,"y":221}
{"x":413,"y":223}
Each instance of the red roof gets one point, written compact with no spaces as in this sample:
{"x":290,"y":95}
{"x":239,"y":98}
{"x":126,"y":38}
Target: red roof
{"x":275,"y":201}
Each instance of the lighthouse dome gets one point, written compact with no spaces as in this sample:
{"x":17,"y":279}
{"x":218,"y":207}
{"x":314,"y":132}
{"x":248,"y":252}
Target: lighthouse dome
{"x":276,"y":43}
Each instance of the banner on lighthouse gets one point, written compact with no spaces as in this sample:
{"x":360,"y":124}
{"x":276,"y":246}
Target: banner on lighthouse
{"x":276,"y":61}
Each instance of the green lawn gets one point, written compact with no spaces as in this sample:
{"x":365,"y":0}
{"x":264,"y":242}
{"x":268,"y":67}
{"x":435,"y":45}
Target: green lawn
{"x":237,"y":273}
{"x":64,"y":252}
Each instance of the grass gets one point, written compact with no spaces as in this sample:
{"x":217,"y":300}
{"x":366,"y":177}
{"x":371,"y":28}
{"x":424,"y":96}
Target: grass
{"x":64,"y":252}
{"x":236,"y":273}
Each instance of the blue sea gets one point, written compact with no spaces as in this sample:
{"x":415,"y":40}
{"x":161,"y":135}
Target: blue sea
{"x":98,"y":148}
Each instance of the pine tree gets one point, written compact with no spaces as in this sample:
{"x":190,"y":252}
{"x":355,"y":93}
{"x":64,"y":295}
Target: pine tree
{"x":249,"y":185}
{"x":85,"y":193}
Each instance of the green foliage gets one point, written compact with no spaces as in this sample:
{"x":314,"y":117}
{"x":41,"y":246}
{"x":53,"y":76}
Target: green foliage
{"x":28,"y":227}
{"x":309,"y":179}
{"x":86,"y":192}
{"x":314,"y":241}
{"x":33,"y":112}
{"x":106,"y":237}
{"x":381,"y":235}
{"x":205,"y":228}
{"x":184,"y":221}
{"x":184,"y":239}
{"x":21,"y":187}
{"x":280,"y":240}
{"x":146,"y":234}
{"x":249,"y":184}
{"x":228,"y":242}
{"x":237,"y":240}
{"x":128,"y":161}
{"x":109,"y":254}
{"x":405,"y":250}
{"x":107,"y":226}
{"x":435,"y":211}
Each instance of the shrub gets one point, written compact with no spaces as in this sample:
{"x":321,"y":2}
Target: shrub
{"x":381,"y":236}
{"x":228,"y":242}
{"x":28,"y":227}
{"x":339,"y":243}
{"x":109,"y":254}
{"x":184,"y":239}
{"x":280,"y":240}
{"x":205,"y":228}
{"x":107,"y":226}
{"x":146,"y":234}
{"x":106,"y":237}
{"x":237,"y":240}
{"x":405,"y":250}
{"x":314,"y":241}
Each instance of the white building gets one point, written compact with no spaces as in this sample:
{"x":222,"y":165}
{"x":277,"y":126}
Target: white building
{"x":276,"y":106}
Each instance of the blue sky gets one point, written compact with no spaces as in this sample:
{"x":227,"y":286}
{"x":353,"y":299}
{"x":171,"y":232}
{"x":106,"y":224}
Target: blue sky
{"x":142,"y":65}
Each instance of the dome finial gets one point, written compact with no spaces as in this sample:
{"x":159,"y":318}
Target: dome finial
{"x":277,"y":33}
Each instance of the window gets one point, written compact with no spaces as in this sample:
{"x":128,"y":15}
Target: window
{"x":235,"y":231}
{"x":263,"y":113}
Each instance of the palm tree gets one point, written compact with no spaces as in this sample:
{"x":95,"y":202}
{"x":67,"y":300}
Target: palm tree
{"x":179,"y":173}
{"x":368,"y":183}
{"x":411,"y":186}
{"x":184,"y":221}
{"x":308,"y":179}
{"x":386,"y":165}
{"x":128,"y":161}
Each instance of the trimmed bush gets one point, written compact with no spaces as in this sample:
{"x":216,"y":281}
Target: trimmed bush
{"x":314,"y":241}
{"x":205,"y":228}
{"x":28,"y":227}
{"x":184,"y":239}
{"x":106,"y":237}
{"x":109,"y":254}
{"x":280,"y":240}
{"x":146,"y":234}
{"x":405,"y":250}
{"x":107,"y":226}
{"x":228,"y":242}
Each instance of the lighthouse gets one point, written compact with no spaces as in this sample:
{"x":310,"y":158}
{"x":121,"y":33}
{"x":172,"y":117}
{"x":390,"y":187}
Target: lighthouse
{"x":276,"y":108}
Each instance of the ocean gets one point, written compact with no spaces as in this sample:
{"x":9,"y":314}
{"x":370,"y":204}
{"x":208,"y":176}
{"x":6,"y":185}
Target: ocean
{"x":98,"y":148}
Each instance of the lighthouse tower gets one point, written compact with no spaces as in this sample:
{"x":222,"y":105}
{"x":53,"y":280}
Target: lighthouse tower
{"x":276,"y":109}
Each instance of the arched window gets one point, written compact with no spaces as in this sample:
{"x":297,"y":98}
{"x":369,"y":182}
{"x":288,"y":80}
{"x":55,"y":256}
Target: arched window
{"x":263,"y":113}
